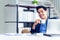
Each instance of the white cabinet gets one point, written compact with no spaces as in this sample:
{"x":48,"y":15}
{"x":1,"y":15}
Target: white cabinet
{"x":10,"y":19}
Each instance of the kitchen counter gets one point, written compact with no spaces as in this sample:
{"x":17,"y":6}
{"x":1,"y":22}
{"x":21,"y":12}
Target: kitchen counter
{"x":13,"y":36}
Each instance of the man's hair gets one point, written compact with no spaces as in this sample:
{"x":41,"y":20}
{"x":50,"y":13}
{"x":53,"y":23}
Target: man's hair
{"x":45,"y":8}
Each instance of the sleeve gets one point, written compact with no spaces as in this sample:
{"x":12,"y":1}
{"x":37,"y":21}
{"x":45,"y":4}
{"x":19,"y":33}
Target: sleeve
{"x":36,"y":30}
{"x":32,"y":31}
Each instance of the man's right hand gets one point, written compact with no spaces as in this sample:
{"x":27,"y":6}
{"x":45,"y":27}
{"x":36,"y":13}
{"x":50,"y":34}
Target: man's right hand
{"x":35,"y":23}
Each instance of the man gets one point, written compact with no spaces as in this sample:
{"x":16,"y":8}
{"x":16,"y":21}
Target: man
{"x":40,"y":25}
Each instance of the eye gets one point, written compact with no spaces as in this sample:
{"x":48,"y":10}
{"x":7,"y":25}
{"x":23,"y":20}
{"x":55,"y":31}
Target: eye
{"x":38,"y":12}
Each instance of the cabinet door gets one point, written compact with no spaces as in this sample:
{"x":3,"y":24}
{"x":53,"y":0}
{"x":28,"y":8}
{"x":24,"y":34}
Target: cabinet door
{"x":10,"y":13}
{"x":10,"y":27}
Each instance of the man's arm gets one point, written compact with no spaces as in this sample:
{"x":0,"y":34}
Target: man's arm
{"x":34,"y":25}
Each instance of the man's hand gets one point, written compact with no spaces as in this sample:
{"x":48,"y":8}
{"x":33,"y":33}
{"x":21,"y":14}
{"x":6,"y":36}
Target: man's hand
{"x":35,"y":23}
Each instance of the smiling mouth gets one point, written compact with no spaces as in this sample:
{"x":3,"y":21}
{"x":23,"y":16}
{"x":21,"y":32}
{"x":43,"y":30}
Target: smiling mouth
{"x":42,"y":15}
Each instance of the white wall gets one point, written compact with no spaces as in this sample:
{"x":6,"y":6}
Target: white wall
{"x":3,"y":28}
{"x":57,"y":6}
{"x":11,"y":1}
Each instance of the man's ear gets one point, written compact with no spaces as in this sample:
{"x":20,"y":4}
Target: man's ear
{"x":47,"y":13}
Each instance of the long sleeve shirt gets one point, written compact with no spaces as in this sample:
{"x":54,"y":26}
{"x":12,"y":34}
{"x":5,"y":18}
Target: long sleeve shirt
{"x":40,"y":28}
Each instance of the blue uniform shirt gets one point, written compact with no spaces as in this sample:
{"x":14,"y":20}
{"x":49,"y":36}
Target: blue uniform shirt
{"x":40,"y":28}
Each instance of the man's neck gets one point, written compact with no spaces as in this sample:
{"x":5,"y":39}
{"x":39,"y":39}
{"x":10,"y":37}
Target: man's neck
{"x":43,"y":20}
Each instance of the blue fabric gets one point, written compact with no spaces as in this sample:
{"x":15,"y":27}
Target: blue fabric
{"x":40,"y":28}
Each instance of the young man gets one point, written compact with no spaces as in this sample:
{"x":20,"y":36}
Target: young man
{"x":40,"y":25}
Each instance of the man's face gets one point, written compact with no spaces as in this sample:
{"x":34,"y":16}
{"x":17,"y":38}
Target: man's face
{"x":42,"y":13}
